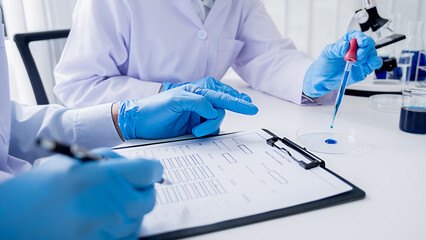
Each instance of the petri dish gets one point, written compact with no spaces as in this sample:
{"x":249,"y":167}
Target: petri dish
{"x":336,"y":140}
{"x":386,"y":102}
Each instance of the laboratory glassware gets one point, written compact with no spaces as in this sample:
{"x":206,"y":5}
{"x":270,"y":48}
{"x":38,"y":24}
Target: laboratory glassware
{"x":350,"y":59}
{"x":405,"y":61}
{"x":386,"y":102}
{"x":421,"y":68}
{"x":413,"y":111}
{"x":414,"y":45}
{"x":334,"y":140}
{"x":337,"y":140}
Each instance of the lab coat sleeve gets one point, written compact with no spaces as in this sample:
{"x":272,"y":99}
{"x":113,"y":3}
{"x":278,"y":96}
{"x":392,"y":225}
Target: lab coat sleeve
{"x":328,"y":98}
{"x":88,"y":127}
{"x":267,"y":61}
{"x":93,"y":66}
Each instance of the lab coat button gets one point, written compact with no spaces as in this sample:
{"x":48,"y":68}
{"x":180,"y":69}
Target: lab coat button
{"x":202,"y":34}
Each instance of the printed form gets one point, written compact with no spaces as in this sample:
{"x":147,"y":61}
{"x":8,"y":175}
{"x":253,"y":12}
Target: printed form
{"x":228,"y":177}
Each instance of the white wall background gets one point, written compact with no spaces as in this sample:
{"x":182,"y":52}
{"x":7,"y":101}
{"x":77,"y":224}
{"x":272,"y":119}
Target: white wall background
{"x":29,"y":16}
{"x":311,"y":24}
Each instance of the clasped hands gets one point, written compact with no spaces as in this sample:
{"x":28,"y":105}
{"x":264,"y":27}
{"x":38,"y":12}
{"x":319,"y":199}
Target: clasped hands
{"x":185,"y":109}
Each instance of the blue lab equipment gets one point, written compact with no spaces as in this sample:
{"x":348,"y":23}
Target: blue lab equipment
{"x":325,"y":74}
{"x":350,"y":59}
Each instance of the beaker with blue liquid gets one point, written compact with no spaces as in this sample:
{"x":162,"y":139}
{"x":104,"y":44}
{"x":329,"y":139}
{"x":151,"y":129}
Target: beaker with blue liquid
{"x":413,"y":111}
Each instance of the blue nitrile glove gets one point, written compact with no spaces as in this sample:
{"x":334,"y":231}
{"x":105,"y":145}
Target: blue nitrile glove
{"x":325,"y":74}
{"x":186,"y":109}
{"x":212,"y":84}
{"x":66,"y":199}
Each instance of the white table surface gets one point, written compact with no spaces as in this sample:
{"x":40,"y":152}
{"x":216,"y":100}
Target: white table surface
{"x":391,"y":169}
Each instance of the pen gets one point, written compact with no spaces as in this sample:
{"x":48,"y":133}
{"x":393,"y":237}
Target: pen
{"x":77,"y":152}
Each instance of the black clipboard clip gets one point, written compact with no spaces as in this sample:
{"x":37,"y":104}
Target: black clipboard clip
{"x":314,"y":161}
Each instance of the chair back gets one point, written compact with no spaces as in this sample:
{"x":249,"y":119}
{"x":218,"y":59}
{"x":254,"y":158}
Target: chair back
{"x":41,"y":52}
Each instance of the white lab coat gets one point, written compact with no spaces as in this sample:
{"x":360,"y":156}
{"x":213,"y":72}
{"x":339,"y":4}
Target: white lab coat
{"x":90,"y":127}
{"x":125,"y":49}
{"x":5,"y":115}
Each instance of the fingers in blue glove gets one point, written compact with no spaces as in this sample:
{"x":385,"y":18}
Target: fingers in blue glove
{"x":360,"y":36}
{"x":130,"y":204}
{"x":366,"y":47}
{"x":338,"y":49}
{"x":195,"y":103}
{"x":96,"y":197}
{"x":116,"y":199}
{"x":368,"y":55}
{"x":325,"y":74}
{"x":224,"y":101}
{"x":213,"y":84}
{"x":139,"y":195}
{"x":375,"y":62}
{"x":246,"y":97}
{"x":230,"y":103}
{"x":123,"y":167}
{"x":132,"y":187}
{"x":128,"y":231}
{"x":106,"y":153}
{"x":175,"y":112}
{"x":137,"y":202}
{"x":209,"y":126}
{"x":365,"y":53}
{"x":215,"y":132}
{"x":141,"y":173}
{"x":166,"y":86}
{"x":359,"y":73}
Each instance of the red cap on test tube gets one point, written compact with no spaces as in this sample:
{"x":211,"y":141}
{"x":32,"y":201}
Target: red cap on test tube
{"x":351,"y":53}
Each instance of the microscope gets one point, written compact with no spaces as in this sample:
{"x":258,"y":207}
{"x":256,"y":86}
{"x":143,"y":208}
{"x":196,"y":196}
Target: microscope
{"x":369,"y":18}
{"x":380,"y":29}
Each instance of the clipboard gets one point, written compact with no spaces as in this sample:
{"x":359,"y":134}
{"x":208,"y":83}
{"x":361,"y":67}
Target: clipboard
{"x":309,"y":162}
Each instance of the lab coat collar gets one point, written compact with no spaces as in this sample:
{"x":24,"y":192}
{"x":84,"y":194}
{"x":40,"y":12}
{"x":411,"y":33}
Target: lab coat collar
{"x":218,"y":6}
{"x":187,"y":8}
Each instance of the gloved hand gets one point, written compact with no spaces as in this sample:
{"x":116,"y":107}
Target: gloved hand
{"x":66,"y":199}
{"x":325,"y":74}
{"x":177,"y":112}
{"x":212,"y":84}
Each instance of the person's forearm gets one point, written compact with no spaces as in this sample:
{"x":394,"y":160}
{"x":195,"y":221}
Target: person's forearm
{"x":98,"y":90}
{"x":114,"y":114}
{"x":327,"y":99}
{"x":88,"y":127}
{"x":281,"y":78}
{"x":268,"y":62}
